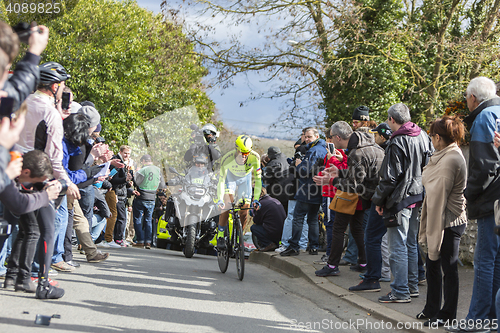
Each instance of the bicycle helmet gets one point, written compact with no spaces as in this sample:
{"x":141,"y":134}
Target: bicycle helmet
{"x":243,"y":143}
{"x":210,"y":129}
{"x":52,"y":72}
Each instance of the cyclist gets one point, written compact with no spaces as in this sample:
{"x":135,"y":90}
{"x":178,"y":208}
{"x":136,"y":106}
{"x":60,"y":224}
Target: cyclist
{"x":236,"y":171}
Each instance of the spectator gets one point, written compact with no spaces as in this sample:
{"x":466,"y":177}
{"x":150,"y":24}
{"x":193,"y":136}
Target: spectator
{"x":290,"y":189}
{"x":361,"y":176}
{"x":339,"y":159}
{"x":36,"y":169}
{"x":268,"y":223}
{"x":482,"y":190}
{"x":397,"y":196}
{"x":26,"y":74}
{"x":147,"y":181}
{"x":276,"y":176}
{"x":308,"y":195}
{"x":116,"y":199}
{"x":361,"y":118}
{"x":443,"y":219}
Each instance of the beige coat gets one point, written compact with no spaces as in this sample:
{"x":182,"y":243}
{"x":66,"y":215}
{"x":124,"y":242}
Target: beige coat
{"x":444,"y":179}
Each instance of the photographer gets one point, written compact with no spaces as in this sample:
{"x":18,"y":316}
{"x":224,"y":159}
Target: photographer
{"x":204,"y":143}
{"x":36,"y":221}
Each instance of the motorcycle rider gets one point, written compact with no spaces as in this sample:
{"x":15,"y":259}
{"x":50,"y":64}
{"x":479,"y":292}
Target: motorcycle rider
{"x":211,"y":149}
{"x":237,"y":168}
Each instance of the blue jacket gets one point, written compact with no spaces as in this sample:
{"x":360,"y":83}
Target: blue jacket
{"x":308,"y":191}
{"x":483,"y":182}
{"x":69,"y":150}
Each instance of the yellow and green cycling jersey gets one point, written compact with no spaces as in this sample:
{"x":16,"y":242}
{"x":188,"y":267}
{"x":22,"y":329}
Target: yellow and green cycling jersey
{"x":233,"y":174}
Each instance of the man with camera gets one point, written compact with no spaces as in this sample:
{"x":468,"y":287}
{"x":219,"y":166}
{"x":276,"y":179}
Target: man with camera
{"x":204,"y":142}
{"x":37,"y":213}
{"x":308,"y":195}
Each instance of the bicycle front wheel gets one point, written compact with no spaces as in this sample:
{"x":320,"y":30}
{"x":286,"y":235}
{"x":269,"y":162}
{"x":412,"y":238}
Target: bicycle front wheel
{"x":223,"y":257}
{"x":239,"y":250}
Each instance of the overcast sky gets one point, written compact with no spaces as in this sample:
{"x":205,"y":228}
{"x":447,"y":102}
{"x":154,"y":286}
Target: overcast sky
{"x":254,"y":117}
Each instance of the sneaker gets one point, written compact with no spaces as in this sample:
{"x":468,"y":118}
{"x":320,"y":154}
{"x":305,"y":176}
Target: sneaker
{"x":112,"y":244}
{"x":342,"y":262}
{"x":323,"y":260}
{"x":51,"y":282}
{"x":422,"y":282}
{"x":366,"y":286}
{"x":53,"y":272}
{"x":313,"y":251}
{"x":289,"y":252}
{"x":9,"y":283}
{"x":422,"y":315}
{"x":147,"y":246}
{"x":392,"y":298}
{"x":103,"y":244}
{"x":221,"y":243}
{"x":48,"y":291}
{"x":435,"y":322}
{"x":73,"y":263}
{"x":414,"y":293}
{"x":358,"y":268}
{"x":328,"y":271}
{"x":138,"y":245}
{"x":27,"y":286}
{"x":121,"y":243}
{"x":61,"y":266}
{"x":280,"y":249}
{"x":98,"y":257}
{"x":383,"y":279}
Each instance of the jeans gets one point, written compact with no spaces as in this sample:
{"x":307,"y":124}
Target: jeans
{"x":403,"y":249}
{"x":351,"y":253}
{"x":261,"y":234}
{"x":3,"y":256}
{"x":445,"y":283}
{"x":375,"y":231}
{"x":143,"y":209}
{"x":61,"y":224}
{"x":87,"y":202}
{"x":328,"y":222}
{"x":486,"y":271}
{"x":301,"y":210}
{"x":98,"y":224}
{"x":287,"y":228}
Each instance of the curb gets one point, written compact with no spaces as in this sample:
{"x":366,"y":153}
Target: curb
{"x":296,"y":268}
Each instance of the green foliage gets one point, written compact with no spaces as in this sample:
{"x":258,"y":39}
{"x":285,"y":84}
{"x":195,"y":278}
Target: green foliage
{"x":132,"y":64}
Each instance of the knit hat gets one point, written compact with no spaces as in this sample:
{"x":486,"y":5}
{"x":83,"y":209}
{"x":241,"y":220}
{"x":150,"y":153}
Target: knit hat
{"x":361,"y":113}
{"x":384,"y":130}
{"x":273,"y":151}
{"x":92,"y":113}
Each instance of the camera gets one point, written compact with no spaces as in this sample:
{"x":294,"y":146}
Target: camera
{"x":23,"y":31}
{"x":100,"y":140}
{"x":40,"y":186}
{"x":298,"y":156}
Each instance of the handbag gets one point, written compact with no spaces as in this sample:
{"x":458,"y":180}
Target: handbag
{"x":344,"y":202}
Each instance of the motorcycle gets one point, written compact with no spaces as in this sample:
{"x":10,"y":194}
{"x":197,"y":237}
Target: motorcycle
{"x":190,"y":213}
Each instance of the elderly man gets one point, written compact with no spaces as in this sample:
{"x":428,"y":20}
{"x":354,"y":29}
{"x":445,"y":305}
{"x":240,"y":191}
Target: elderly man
{"x":397,"y":198}
{"x":483,"y":189}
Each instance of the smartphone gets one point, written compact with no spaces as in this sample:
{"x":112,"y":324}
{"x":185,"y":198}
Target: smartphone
{"x":112,"y":173}
{"x":331,"y":147}
{"x":65,"y":100}
{"x":6,"y":107}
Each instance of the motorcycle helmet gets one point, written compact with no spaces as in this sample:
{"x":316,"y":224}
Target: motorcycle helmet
{"x":200,"y":159}
{"x":210,"y":129}
{"x":52,"y":72}
{"x":244,"y":144}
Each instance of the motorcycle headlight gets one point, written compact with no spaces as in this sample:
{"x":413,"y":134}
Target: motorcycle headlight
{"x":196,"y":191}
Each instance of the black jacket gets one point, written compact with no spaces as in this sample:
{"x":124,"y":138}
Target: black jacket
{"x":119,"y":180}
{"x":276,"y":176}
{"x":364,"y":159}
{"x":212,"y":151}
{"x":24,"y":80}
{"x":406,"y":155}
{"x":271,"y":216}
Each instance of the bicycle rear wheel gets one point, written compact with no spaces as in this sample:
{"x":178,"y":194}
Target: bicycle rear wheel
{"x":223,"y":257}
{"x":239,"y":250}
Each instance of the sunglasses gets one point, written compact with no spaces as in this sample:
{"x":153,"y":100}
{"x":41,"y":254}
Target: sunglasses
{"x":245,"y":154}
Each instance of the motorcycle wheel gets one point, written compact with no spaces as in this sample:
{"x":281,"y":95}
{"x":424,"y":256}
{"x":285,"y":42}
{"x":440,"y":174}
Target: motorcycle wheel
{"x":239,"y":251}
{"x":223,"y":258}
{"x":190,"y":237}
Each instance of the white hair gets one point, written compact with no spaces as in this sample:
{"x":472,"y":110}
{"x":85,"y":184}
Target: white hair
{"x":482,"y":88}
{"x":342,"y":129}
{"x":400,"y":112}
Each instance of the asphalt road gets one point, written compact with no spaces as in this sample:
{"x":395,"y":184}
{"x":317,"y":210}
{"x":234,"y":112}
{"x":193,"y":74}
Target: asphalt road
{"x":138,"y":290}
